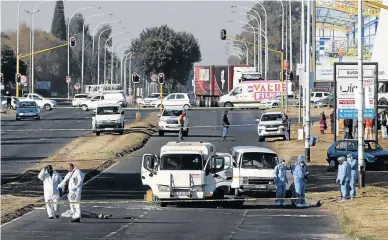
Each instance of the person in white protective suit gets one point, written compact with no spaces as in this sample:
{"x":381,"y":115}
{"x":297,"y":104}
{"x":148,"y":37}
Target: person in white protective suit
{"x":74,"y":180}
{"x":51,"y":180}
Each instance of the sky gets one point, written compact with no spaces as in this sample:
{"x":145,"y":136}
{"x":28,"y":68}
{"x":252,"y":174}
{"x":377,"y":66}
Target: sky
{"x":204,"y":19}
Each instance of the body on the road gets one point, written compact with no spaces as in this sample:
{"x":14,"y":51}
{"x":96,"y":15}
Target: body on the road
{"x":51,"y":179}
{"x":353,"y":163}
{"x":343,"y":177}
{"x":74,"y":179}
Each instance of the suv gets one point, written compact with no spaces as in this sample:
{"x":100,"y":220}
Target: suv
{"x":181,"y":100}
{"x":168,"y":122}
{"x":271,"y":125}
{"x":108,"y":118}
{"x":78,"y":99}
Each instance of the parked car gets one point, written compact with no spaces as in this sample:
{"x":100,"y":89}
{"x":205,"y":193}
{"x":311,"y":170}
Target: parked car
{"x":78,"y":99}
{"x":28,"y":109}
{"x":375,"y":155}
{"x":325,"y":102}
{"x":179,"y":100}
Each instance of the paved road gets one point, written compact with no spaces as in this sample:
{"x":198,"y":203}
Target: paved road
{"x":147,"y":221}
{"x":20,"y":150}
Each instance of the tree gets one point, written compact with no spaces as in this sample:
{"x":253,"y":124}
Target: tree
{"x":58,"y":26}
{"x":8,"y":65}
{"x":161,"y":49}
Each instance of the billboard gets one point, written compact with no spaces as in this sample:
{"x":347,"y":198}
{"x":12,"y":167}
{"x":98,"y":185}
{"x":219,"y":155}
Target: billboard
{"x":337,"y":38}
{"x":221,"y":77}
{"x":202,"y":80}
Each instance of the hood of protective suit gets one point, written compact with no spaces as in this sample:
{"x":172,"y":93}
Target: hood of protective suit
{"x":300,"y":159}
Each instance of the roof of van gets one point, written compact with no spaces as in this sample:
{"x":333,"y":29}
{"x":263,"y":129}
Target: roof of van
{"x":268,"y":113}
{"x":244,"y":149}
{"x":188,"y":144}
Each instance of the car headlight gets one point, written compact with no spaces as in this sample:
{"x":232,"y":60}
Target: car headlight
{"x":198,"y":188}
{"x":162,"y":122}
{"x":262,"y":127}
{"x":163,"y":188}
{"x":21,"y":114}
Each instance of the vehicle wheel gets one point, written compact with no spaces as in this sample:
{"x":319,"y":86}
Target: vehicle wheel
{"x":261,"y":139}
{"x":163,"y":204}
{"x":335,"y":164}
{"x":38,"y":117}
{"x":17,"y":119}
{"x":284,"y":138}
{"x":186,"y":107}
{"x":159,"y":107}
{"x":47,"y":107}
{"x":186,"y":133}
{"x":228,"y":104}
{"x":98,"y":133}
{"x":237,"y":192}
{"x":161,"y":133}
{"x":84,"y":108}
{"x":275,"y":105}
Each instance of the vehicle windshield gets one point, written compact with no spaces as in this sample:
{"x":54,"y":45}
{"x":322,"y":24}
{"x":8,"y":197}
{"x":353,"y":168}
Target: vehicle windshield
{"x":372,"y":146}
{"x":27,"y":105}
{"x":181,"y":162}
{"x":256,"y":160}
{"x":80,"y":96}
{"x":107,"y":110}
{"x":154,"y":95}
{"x":271,"y":117}
{"x":172,"y":113}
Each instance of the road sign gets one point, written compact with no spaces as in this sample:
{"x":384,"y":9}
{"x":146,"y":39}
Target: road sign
{"x":286,"y":65}
{"x":154,"y":77}
{"x":347,"y":81}
{"x":77,"y":86}
{"x":68,"y":79}
{"x":23,"y":79}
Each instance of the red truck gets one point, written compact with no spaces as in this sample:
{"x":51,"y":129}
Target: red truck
{"x":211,"y":82}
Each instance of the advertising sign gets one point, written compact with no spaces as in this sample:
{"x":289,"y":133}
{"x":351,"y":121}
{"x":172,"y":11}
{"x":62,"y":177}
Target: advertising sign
{"x":261,"y":90}
{"x":347,"y":90}
{"x":43,"y":85}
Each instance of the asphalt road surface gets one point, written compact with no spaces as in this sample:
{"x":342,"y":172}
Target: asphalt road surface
{"x":21,"y":149}
{"x":257,"y":220}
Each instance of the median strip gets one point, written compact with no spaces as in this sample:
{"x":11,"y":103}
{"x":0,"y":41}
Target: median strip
{"x":364,"y":217}
{"x":89,"y":153}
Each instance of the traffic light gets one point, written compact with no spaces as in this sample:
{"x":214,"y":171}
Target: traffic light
{"x":161,"y":78}
{"x":223,"y":34}
{"x":18,"y":77}
{"x":72,"y":42}
{"x":135,"y":78}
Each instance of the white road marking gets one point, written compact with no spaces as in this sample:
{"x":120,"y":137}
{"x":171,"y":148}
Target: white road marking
{"x":288,"y":215}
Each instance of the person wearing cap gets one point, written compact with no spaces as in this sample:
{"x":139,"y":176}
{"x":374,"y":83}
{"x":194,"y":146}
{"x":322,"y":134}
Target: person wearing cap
{"x":343,"y":177}
{"x":281,"y":181}
{"x":300,"y":173}
{"x":181,"y":123}
{"x":353,"y":163}
{"x":225,"y":125}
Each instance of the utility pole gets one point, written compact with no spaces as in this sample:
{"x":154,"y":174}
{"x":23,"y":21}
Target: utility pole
{"x":361,"y":93}
{"x":308,"y":70}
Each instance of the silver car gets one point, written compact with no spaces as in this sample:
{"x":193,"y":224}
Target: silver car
{"x":27,"y":109}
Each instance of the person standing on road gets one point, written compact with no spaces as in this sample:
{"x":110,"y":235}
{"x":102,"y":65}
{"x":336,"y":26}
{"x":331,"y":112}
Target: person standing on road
{"x":332,"y":122}
{"x":384,"y":133}
{"x":9,"y":100}
{"x":355,"y":127}
{"x":51,"y":180}
{"x":353,"y":163}
{"x":300,"y":174}
{"x":287,"y":124}
{"x":322,"y":124}
{"x":343,"y":177}
{"x":225,"y":125}
{"x":181,"y":123}
{"x":281,"y":182}
{"x":74,"y":180}
{"x":368,"y":128}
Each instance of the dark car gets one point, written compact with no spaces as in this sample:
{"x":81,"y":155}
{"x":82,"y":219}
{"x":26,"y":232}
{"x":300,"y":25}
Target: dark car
{"x":27,"y":109}
{"x":375,"y":155}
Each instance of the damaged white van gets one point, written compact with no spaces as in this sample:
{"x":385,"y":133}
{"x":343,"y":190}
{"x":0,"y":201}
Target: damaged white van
{"x":253,"y":170}
{"x":187,"y":170}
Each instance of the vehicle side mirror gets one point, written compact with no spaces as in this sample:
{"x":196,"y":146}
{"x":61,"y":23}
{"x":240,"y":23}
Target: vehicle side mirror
{"x":122,"y":112}
{"x":94,"y":113}
{"x":257,"y":120}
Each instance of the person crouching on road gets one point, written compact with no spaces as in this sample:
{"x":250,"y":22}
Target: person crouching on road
{"x":343,"y":177}
{"x":300,"y":173}
{"x":181,"y":123}
{"x":225,"y":125}
{"x":353,"y":163}
{"x":74,"y":179}
{"x":51,"y":180}
{"x":281,"y":182}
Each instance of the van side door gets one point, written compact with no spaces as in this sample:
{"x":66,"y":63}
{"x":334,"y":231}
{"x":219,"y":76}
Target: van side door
{"x":148,"y":170}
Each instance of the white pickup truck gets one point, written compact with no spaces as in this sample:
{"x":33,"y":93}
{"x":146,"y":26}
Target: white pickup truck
{"x":187,"y":170}
{"x":253,"y":170}
{"x":42,"y":102}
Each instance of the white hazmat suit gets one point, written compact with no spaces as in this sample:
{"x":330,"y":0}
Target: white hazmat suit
{"x":51,"y":191}
{"x":75,"y":178}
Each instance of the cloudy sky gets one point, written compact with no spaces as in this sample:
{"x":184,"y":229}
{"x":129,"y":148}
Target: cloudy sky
{"x":204,"y":19}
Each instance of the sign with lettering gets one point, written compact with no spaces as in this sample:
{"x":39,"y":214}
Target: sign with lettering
{"x":347,"y":90}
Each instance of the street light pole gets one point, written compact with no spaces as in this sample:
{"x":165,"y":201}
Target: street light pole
{"x":246,"y":47}
{"x":361,"y":93}
{"x":106,"y":42}
{"x":254,"y":40}
{"x":307,"y":95}
{"x":121,"y":69}
{"x":95,"y":29}
{"x":266,"y":39}
{"x":125,"y":72}
{"x":98,"y":52}
{"x":30,"y":86}
{"x":111,"y":60}
{"x":281,"y":3}
{"x":68,"y":36}
{"x":83,"y":46}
